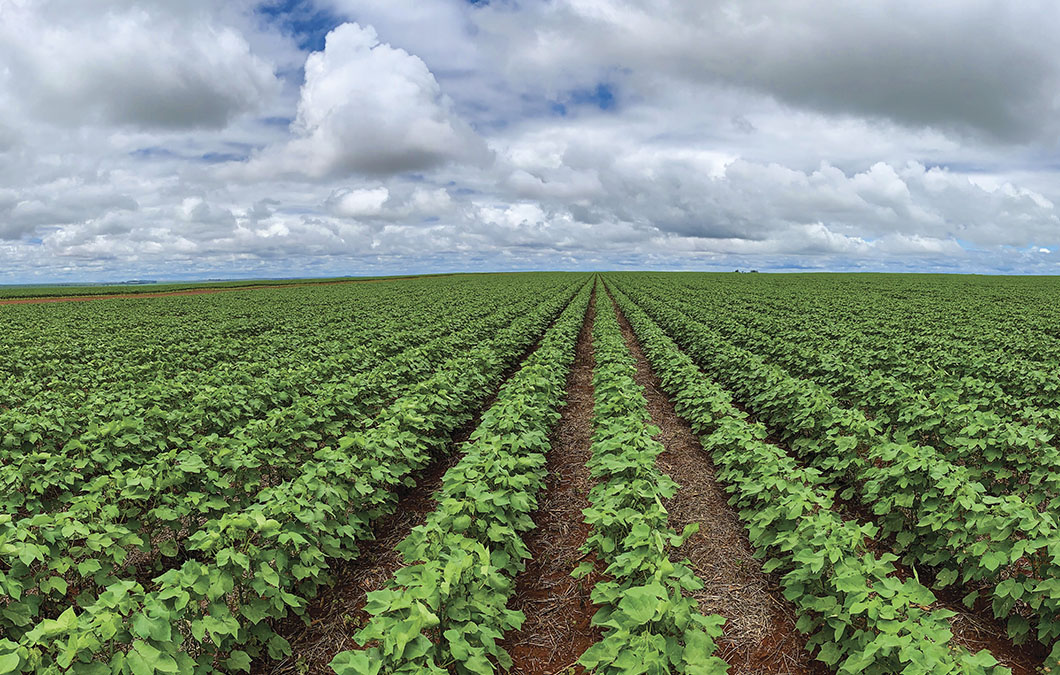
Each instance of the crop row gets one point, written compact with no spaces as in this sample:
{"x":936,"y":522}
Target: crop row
{"x":862,"y":615}
{"x":445,"y":610}
{"x":650,"y":623}
{"x":181,"y":488}
{"x":925,"y":332}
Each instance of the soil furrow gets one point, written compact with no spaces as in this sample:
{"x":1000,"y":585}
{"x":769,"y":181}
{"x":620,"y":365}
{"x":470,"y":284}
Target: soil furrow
{"x":760,"y":634}
{"x":557,"y":607}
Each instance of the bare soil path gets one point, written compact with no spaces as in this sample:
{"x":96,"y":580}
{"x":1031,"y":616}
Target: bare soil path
{"x":558,"y":610}
{"x":760,"y":634}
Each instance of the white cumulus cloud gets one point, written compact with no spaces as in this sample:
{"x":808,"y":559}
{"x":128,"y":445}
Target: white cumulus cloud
{"x":369,"y":108}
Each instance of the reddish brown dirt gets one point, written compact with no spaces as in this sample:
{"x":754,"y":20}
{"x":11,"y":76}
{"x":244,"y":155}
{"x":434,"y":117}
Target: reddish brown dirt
{"x":760,"y":634}
{"x":558,"y":611}
{"x":977,"y":629}
{"x":189,"y":291}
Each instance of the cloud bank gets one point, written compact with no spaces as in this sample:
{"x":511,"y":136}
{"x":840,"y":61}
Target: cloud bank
{"x":157,"y":139}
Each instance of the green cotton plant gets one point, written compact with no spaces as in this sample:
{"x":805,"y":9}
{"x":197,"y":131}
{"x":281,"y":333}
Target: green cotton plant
{"x":940,"y":513}
{"x":253,"y":415}
{"x":650,"y":623}
{"x":446,"y":610}
{"x":1007,"y":455}
{"x":950,"y":417}
{"x":860,"y":616}
{"x":412,"y":614}
{"x":458,"y":598}
{"x":653,"y":628}
{"x":247,"y":563}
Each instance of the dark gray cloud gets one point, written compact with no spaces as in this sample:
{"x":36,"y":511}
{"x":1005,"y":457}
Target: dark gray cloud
{"x":981,"y":67}
{"x":130,"y":66}
{"x":963,"y":66}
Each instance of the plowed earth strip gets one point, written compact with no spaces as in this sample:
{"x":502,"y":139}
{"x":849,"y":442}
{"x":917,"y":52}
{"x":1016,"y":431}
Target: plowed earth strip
{"x":558,"y":610}
{"x":337,"y":613}
{"x":190,"y":291}
{"x":760,"y":634}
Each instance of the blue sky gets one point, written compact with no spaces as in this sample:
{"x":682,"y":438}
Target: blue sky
{"x":307,"y":23}
{"x":324,"y":137}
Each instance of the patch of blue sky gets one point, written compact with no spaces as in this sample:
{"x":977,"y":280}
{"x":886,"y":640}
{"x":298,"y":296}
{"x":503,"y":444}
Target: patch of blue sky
{"x":958,"y":166}
{"x":1028,"y":248}
{"x":233,"y":152}
{"x":154,"y":152}
{"x":307,"y":22}
{"x":283,"y":122}
{"x":219,"y":157}
{"x":530,"y":106}
{"x":602,"y":96}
